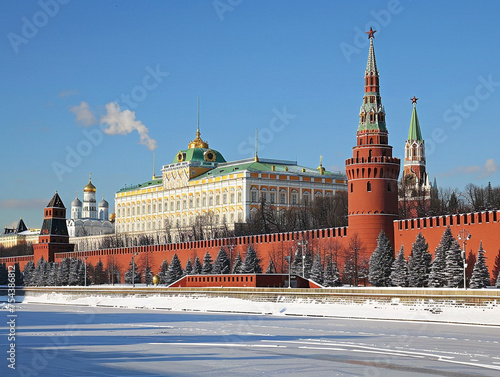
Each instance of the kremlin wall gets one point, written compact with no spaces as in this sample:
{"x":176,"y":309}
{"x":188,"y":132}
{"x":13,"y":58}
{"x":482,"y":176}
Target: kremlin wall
{"x":372,"y":186}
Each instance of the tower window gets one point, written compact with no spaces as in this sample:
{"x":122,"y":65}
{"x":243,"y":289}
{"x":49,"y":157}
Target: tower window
{"x":352,"y":187}
{"x":368,"y":186}
{"x":371,"y":141}
{"x":389,"y":187}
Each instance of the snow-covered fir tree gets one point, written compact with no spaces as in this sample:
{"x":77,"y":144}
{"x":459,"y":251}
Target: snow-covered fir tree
{"x":163,"y":272}
{"x":197,"y":267}
{"x":41,"y":273}
{"x":331,"y":277}
{"x":18,"y":275}
{"x":317,"y":269}
{"x":399,"y":270}
{"x":100,"y":274}
{"x":135,"y":275}
{"x":174,"y":272}
{"x":207,"y":264}
{"x":297,"y":262}
{"x":381,"y":260}
{"x":437,"y":276}
{"x":480,"y":275}
{"x":4,"y":275}
{"x":74,"y":277}
{"x":53,"y":274}
{"x":454,"y":266}
{"x":148,"y":275}
{"x":251,"y":264}
{"x":221,"y":264}
{"x":271,"y":269}
{"x":308,"y":262}
{"x":188,"y":270}
{"x":83,"y":274}
{"x":28,"y":273}
{"x":419,"y":263}
{"x":237,"y":265}
{"x":64,"y":267}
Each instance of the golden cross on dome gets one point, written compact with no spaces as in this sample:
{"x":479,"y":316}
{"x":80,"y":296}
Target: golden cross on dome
{"x":371,"y":33}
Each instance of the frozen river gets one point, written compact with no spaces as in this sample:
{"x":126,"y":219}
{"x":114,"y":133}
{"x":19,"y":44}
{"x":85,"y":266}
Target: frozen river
{"x":55,"y":340}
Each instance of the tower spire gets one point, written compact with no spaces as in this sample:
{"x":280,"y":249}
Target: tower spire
{"x":256,"y":156}
{"x":371,"y":65}
{"x":198,"y":142}
{"x":414,"y":132}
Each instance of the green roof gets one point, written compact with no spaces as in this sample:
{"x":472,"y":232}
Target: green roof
{"x":414,"y":133}
{"x":266,"y":166}
{"x":141,"y":186}
{"x":198,"y":154}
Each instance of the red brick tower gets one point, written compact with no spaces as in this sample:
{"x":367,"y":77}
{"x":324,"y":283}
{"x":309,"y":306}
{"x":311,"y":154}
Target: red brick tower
{"x":372,"y":173}
{"x":54,"y":236}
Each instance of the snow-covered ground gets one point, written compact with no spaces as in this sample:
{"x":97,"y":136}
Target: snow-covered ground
{"x":421,"y":310}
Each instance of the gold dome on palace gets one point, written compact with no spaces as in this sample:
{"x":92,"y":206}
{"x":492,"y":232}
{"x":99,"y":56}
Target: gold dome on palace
{"x":90,"y":187}
{"x":198,"y":142}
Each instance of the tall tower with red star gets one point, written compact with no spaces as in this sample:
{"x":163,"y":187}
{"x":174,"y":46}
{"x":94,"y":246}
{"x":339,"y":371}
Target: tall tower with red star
{"x":372,"y":172}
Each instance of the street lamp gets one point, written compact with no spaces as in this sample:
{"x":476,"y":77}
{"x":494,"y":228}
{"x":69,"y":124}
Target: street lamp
{"x":133,"y":269}
{"x":464,"y":235}
{"x":303,"y":244}
{"x":85,"y":270}
{"x":287,"y":258}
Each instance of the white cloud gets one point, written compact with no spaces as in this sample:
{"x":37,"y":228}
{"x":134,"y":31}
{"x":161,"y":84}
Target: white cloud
{"x":124,"y":122}
{"x":67,"y":93}
{"x":490,"y":167}
{"x":83,"y":114}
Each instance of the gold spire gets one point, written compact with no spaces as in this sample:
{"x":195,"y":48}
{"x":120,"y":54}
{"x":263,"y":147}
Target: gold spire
{"x":320,"y":167}
{"x":198,"y":141}
{"x":90,"y":187}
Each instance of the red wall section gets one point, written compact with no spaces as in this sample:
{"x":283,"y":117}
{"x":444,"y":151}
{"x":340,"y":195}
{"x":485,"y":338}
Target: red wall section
{"x":483,"y":226}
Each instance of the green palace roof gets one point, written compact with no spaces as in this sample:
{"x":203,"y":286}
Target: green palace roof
{"x":199,"y":154}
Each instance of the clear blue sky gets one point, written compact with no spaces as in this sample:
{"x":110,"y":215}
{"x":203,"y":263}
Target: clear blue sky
{"x":248,"y":62}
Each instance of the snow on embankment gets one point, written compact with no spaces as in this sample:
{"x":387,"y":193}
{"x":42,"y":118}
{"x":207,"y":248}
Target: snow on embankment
{"x":358,"y":305}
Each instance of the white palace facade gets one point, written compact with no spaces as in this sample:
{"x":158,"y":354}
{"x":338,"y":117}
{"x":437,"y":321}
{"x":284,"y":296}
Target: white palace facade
{"x":200,"y":183}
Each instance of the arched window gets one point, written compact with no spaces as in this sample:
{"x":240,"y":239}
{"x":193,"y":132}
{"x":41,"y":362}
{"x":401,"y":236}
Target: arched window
{"x":368,"y":186}
{"x":352,"y":187}
{"x":389,"y":187}
{"x":371,"y":140}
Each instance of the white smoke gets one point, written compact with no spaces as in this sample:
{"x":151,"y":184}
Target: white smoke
{"x":124,"y":122}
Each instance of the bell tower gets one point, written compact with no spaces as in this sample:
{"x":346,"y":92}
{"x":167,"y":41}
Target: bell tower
{"x":372,"y":172}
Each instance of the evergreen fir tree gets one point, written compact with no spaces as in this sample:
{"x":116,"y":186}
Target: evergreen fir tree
{"x":381,"y":260}
{"x":174,"y":272}
{"x":197,"y":267}
{"x":419,"y":263}
{"x":81,"y":273}
{"x":148,"y":276}
{"x":4,"y":275}
{"x":297,"y":262}
{"x":207,"y":264}
{"x":189,"y":267}
{"x":480,"y":275}
{"x":53,"y":274}
{"x":497,"y":283}
{"x":437,"y":276}
{"x":100,"y":274}
{"x":399,"y":270}
{"x":136,"y":274}
{"x":163,"y":272}
{"x":18,"y":275}
{"x":63,"y":276}
{"x":237,"y":265}
{"x":221,"y":264}
{"x":41,"y":273}
{"x":308,"y":262}
{"x":331,"y":277}
{"x":74,"y":272}
{"x":317,"y":270}
{"x":271,"y":269}
{"x":28,"y":273}
{"x":251,"y":264}
{"x":496,"y":268}
{"x":454,"y":266}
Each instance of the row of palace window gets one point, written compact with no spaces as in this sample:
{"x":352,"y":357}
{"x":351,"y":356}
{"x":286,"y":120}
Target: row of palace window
{"x":271,"y":197}
{"x":180,"y":222}
{"x":177,"y":205}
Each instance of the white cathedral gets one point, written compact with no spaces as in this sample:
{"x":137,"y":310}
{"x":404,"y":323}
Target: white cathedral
{"x":87,"y":218}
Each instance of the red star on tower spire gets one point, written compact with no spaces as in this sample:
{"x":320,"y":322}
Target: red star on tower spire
{"x":414,"y":99}
{"x":371,"y":33}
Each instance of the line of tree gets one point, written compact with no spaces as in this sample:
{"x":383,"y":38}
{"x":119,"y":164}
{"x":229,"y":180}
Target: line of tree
{"x":446,"y":269}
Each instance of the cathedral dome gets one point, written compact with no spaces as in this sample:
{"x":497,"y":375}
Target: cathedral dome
{"x":103,"y":204}
{"x":76,"y":202}
{"x":90,"y":187}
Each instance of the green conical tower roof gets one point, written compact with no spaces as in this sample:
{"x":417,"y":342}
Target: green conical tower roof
{"x":414,"y":133}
